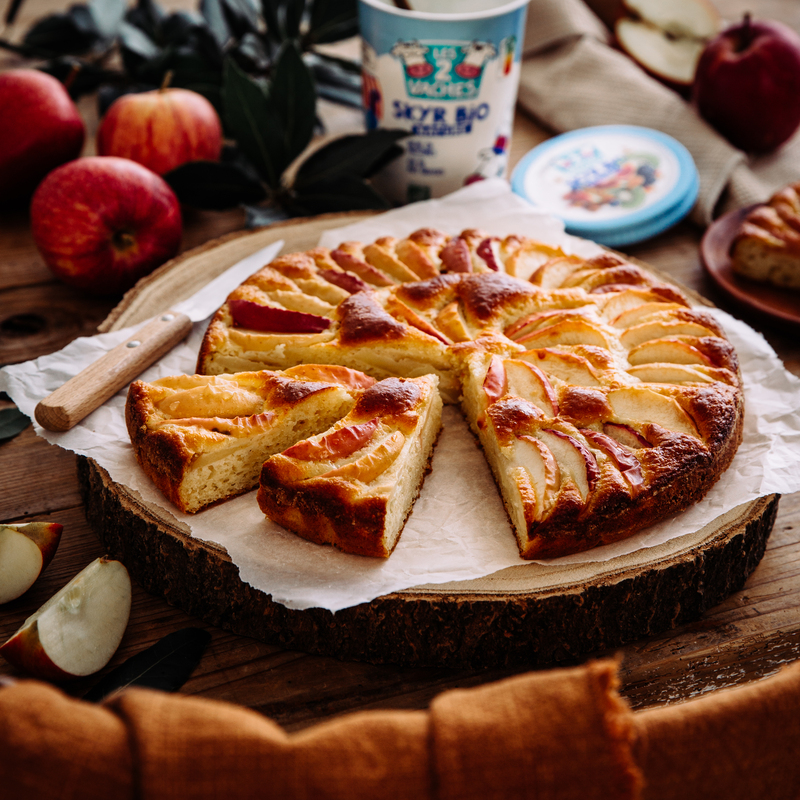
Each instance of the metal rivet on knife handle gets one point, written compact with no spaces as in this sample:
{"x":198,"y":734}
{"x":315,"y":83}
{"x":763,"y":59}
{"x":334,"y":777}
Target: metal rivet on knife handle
{"x":88,"y":390}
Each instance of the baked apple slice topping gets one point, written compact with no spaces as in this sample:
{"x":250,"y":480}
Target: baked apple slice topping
{"x":488,"y":251}
{"x":25,"y":551}
{"x":638,"y":402}
{"x":341,"y":443}
{"x":674,"y":373}
{"x":675,"y":350}
{"x":344,"y":280}
{"x":571,"y":331}
{"x":529,"y":382}
{"x":247,"y":314}
{"x":331,"y":373}
{"x":625,"y":435}
{"x":495,"y":384}
{"x":455,"y":256}
{"x":352,"y":263}
{"x":371,"y":464}
{"x":626,"y":462}
{"x":538,"y":461}
{"x":574,"y":458}
{"x":217,"y":397}
{"x":568,"y":367}
{"x":452,"y":324}
{"x":660,"y":329}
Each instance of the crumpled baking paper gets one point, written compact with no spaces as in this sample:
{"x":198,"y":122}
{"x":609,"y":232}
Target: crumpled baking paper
{"x":458,"y":529}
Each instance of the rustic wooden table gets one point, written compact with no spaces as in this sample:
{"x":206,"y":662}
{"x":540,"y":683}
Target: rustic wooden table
{"x":749,"y":636}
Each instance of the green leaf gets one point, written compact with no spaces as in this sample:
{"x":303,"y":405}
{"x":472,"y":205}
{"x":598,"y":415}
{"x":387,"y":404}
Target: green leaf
{"x":214,"y":15}
{"x":253,"y":123}
{"x":12,"y":422}
{"x":332,"y":20}
{"x":259,"y":216}
{"x":166,"y":665}
{"x":137,"y":42}
{"x":358,"y":154}
{"x":294,"y":98}
{"x":107,"y":16}
{"x":293,"y":16}
{"x":348,"y":193}
{"x":214,"y":185}
{"x":59,"y":34}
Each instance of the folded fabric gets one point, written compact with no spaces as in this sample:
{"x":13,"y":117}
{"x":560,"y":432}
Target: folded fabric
{"x":573,"y":78}
{"x":557,"y":735}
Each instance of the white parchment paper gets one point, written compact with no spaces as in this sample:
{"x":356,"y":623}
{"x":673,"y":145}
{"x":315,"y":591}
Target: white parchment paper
{"x":458,"y":529}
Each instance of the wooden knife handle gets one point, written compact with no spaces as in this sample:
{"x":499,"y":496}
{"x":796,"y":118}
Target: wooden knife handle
{"x":90,"y":388}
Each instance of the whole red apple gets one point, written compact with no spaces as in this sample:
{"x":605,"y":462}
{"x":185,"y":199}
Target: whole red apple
{"x":41,"y":128}
{"x":161,"y":129}
{"x":747,"y":84}
{"x":101,"y":223}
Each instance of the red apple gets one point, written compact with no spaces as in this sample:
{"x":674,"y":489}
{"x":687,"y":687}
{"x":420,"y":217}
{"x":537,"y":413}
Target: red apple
{"x":41,"y":128}
{"x":748,"y":84}
{"x":102,"y":223}
{"x":280,"y":320}
{"x":161,"y":129}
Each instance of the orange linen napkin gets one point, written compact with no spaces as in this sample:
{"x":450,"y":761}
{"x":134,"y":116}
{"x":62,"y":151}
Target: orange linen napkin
{"x":573,"y":78}
{"x":557,"y":735}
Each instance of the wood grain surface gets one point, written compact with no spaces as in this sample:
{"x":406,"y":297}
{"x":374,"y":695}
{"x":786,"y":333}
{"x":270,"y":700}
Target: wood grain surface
{"x":748,"y":636}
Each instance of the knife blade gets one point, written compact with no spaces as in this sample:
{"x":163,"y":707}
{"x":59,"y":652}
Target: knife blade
{"x":90,"y":388}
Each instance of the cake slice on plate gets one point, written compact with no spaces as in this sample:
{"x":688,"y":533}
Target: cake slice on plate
{"x":202,"y":439}
{"x":354,"y":485}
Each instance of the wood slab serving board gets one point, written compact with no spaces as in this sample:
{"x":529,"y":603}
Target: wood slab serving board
{"x":531,"y":614}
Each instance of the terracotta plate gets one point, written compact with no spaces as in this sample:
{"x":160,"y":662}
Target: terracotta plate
{"x":779,"y":303}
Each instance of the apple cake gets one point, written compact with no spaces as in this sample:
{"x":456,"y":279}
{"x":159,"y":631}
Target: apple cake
{"x":602,"y":399}
{"x":767,"y":248}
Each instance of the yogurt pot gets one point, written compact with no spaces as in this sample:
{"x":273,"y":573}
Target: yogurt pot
{"x":448,"y":72}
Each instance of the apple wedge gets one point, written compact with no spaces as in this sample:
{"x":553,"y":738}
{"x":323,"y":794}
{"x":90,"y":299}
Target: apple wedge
{"x":675,"y":350}
{"x":349,"y":262}
{"x":666,"y":39}
{"x":495,"y":384}
{"x":568,"y":367}
{"x":452,"y":323}
{"x":78,"y":630}
{"x":372,"y":464}
{"x":337,"y":444}
{"x":553,"y":273}
{"x":641,"y":403}
{"x":626,"y":462}
{"x":661,"y":329}
{"x":344,"y":280}
{"x":540,"y":464}
{"x":331,"y":373}
{"x":572,"y":331}
{"x":625,"y":435}
{"x":280,"y":320}
{"x":25,"y":551}
{"x":487,"y":250}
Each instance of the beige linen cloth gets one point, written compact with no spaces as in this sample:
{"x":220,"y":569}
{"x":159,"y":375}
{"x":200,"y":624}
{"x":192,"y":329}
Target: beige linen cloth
{"x":572,"y":78}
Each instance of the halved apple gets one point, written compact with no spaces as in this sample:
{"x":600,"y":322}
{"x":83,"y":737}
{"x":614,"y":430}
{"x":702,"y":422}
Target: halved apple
{"x":25,"y":551}
{"x":641,"y":403}
{"x":574,"y":459}
{"x":372,"y":464}
{"x":568,"y":367}
{"x":344,"y":280}
{"x":530,"y":383}
{"x":666,"y":39}
{"x":78,"y":630}
{"x":495,"y":384}
{"x":626,"y":462}
{"x":337,"y":444}
{"x":455,"y":256}
{"x":358,"y":266}
{"x":278,"y":320}
{"x":488,"y":251}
